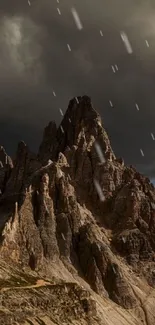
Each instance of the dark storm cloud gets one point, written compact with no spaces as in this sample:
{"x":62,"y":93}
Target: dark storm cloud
{"x":34,"y":61}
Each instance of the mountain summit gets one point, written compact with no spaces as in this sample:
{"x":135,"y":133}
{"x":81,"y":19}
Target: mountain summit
{"x":77,"y":230}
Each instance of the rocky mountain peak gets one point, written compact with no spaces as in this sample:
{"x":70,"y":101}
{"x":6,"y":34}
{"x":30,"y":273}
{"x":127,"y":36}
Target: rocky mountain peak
{"x":4,"y":158}
{"x":79,"y":219}
{"x":81,"y":126}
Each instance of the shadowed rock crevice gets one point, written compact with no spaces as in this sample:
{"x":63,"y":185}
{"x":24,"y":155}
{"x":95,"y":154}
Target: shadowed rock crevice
{"x":118,"y":288}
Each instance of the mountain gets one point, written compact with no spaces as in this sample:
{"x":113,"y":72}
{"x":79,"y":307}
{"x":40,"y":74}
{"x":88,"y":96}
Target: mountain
{"x":77,"y":230}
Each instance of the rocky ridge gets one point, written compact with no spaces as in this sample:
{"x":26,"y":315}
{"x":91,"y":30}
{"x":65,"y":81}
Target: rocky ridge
{"x":76,"y":216}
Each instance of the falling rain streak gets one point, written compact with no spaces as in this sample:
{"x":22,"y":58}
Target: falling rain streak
{"x":99,"y":152}
{"x":61,"y":112}
{"x":147,"y":43}
{"x":126,"y":42}
{"x":63,"y":237}
{"x":69,"y":48}
{"x":58,"y":10}
{"x":113,"y":69}
{"x":77,"y":100}
{"x":142,"y":153}
{"x":99,"y":190}
{"x":62,"y":130}
{"x":137,"y":106}
{"x":110,"y":102}
{"x":76,"y":19}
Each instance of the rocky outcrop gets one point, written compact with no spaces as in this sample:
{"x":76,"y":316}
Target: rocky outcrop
{"x":49,"y":143}
{"x":77,"y":207}
{"x":6,"y":165}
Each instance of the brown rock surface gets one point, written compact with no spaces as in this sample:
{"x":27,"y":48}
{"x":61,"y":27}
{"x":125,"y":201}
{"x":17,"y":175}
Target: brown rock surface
{"x":77,"y":230}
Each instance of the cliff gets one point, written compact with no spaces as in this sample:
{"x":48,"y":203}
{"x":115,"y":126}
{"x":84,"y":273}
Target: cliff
{"x":77,"y":230}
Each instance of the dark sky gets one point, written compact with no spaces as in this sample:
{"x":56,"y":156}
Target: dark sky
{"x":35,"y":61}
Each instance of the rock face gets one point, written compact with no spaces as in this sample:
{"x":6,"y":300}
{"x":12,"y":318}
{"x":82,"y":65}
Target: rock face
{"x":76,"y":215}
{"x":6,"y":165}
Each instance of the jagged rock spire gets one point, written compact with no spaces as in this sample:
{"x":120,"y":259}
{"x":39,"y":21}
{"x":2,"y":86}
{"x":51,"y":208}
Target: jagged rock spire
{"x":81,"y":124}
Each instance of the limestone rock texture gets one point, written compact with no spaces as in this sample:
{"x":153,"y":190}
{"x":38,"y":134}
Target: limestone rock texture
{"x":77,"y":230}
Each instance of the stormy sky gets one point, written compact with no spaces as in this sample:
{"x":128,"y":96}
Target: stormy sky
{"x":35,"y":61}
